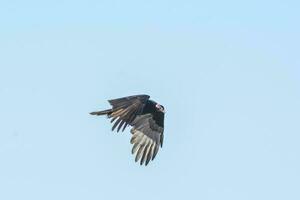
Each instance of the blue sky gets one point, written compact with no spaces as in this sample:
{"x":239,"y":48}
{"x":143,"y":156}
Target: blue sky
{"x":227,"y":73}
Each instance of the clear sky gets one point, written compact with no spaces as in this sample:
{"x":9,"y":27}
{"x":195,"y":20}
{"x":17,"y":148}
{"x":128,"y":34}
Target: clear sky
{"x":227,"y":72}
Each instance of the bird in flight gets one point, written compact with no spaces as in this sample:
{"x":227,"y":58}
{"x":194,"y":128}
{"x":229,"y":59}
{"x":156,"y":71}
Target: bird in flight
{"x":145,"y":116}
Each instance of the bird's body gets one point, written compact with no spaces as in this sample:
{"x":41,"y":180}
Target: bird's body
{"x":147,"y":120}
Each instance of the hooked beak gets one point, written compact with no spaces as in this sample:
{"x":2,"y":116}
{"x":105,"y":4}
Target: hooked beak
{"x":160,"y":108}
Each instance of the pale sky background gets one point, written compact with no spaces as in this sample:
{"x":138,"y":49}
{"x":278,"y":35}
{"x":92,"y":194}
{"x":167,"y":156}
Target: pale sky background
{"x":227,"y":73}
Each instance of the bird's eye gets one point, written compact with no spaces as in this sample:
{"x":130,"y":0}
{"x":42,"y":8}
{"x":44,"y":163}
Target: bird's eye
{"x":158,"y":106}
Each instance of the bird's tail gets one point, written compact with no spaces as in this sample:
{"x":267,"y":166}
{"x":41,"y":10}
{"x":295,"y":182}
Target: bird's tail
{"x":103,"y":112}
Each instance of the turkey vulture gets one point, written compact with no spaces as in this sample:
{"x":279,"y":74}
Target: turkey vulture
{"x":147,"y":120}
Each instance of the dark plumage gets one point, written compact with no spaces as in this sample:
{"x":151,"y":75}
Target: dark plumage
{"x":147,"y":120}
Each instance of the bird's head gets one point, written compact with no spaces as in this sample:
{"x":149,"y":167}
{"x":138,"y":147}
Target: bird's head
{"x":160,"y":108}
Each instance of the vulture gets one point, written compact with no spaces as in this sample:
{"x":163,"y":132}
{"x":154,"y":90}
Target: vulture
{"x":145,"y":116}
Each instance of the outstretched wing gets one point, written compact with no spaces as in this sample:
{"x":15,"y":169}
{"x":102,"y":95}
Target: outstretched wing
{"x":125,"y":110}
{"x":147,"y":136}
